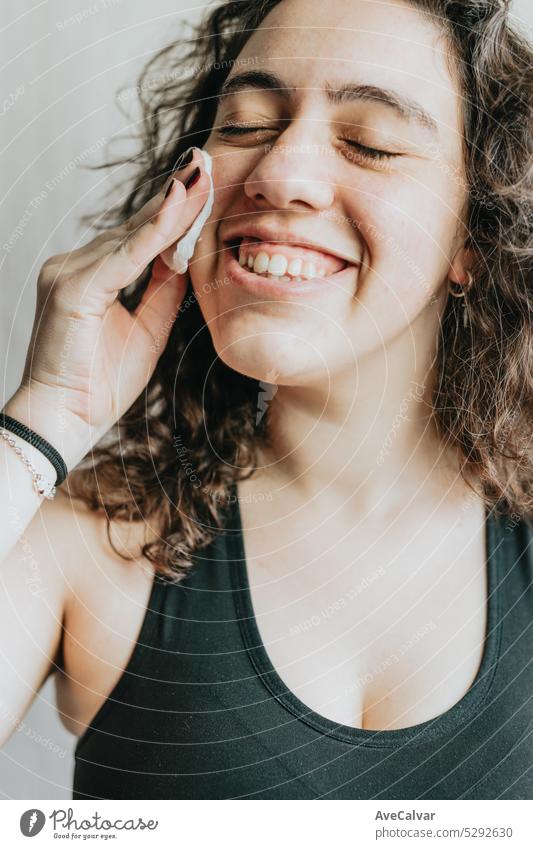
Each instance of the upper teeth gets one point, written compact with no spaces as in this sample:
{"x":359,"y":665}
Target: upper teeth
{"x":279,"y":266}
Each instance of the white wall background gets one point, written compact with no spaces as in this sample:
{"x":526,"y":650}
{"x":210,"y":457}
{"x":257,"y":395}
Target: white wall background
{"x":62,"y":64}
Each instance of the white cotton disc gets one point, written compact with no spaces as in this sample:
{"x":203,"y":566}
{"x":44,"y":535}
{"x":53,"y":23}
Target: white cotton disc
{"x":184,"y":249}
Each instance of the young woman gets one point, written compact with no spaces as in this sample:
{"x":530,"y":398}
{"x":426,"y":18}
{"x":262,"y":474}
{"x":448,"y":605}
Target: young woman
{"x":296,"y":559}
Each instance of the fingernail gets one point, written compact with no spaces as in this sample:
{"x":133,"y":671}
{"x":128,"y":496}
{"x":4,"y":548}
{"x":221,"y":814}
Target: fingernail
{"x":169,"y":189}
{"x":195,"y":176}
{"x":184,"y":160}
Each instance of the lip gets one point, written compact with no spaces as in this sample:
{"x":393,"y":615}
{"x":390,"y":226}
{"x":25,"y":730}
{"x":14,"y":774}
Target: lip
{"x":271,"y":234}
{"x":263,"y":287}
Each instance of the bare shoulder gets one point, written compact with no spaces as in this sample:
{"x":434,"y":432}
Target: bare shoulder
{"x":107,"y":587}
{"x":65,"y":592}
{"x":86,"y":548}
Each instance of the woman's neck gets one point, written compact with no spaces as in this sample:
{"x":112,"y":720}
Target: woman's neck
{"x":369,"y":436}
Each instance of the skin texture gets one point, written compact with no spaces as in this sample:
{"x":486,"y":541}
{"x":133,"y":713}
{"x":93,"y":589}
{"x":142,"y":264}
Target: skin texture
{"x":344,"y":362}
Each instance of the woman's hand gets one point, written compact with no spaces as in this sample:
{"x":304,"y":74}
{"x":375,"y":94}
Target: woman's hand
{"x":89,"y":358}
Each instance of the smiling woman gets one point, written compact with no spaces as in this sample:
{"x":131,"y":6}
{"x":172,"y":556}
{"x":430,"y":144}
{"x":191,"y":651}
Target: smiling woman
{"x":396,"y":137}
{"x":329,"y":472}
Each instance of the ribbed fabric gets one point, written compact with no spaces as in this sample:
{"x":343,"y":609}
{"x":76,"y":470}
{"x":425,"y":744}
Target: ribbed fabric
{"x":199,"y":712}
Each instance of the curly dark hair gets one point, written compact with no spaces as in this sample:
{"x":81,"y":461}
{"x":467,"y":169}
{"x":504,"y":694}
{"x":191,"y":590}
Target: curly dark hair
{"x":176,"y":453}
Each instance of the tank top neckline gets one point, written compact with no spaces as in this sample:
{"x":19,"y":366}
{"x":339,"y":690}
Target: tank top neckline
{"x":454,"y":719}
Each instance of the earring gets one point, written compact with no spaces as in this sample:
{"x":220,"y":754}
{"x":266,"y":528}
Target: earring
{"x":460,"y":294}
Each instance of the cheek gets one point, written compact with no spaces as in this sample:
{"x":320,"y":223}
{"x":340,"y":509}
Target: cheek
{"x":229,"y":173}
{"x":208,"y":251}
{"x":407,"y":237}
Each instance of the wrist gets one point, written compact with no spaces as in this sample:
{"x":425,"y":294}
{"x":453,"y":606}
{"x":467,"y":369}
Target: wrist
{"x":42,"y":470}
{"x":64,"y":431}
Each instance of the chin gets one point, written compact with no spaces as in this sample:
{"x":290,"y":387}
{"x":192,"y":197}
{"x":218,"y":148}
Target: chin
{"x":271,"y":356}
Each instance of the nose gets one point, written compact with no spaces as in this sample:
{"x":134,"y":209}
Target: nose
{"x":291,"y":174}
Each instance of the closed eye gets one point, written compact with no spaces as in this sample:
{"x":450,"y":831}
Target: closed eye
{"x":363,"y":150}
{"x":371,"y":152}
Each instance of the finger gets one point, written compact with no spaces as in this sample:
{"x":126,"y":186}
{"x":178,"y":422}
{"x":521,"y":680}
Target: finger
{"x":151,"y":208}
{"x":160,"y":303}
{"x":99,"y":247}
{"x":81,"y":257}
{"x":130,"y":255}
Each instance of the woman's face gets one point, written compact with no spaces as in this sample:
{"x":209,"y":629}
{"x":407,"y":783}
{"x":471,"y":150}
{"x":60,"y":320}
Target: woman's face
{"x":305,"y":178}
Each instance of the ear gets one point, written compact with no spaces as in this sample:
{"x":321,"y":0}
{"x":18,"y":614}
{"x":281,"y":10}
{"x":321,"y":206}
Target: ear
{"x":461,"y":263}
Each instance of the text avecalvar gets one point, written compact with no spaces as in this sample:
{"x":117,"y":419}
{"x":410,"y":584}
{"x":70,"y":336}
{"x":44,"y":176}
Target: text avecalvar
{"x":404,"y":815}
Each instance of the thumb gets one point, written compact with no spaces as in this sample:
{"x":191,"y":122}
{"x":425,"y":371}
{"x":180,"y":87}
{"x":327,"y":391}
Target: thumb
{"x":161,"y":300}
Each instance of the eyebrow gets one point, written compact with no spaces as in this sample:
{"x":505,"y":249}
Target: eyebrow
{"x":337,"y":94}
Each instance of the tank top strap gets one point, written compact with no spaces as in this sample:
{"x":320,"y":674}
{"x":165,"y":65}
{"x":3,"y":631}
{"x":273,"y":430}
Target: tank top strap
{"x":202,"y":596}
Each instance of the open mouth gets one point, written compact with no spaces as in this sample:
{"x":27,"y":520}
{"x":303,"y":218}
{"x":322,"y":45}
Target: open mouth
{"x":284,"y":262}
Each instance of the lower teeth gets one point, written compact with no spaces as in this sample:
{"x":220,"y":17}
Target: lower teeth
{"x":285,"y":279}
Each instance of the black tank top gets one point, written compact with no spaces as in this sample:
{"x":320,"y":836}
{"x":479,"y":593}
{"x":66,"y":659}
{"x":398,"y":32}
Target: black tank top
{"x":200,"y":713}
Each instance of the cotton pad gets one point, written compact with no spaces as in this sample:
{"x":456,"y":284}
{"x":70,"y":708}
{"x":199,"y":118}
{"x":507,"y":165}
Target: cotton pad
{"x":184,"y":249}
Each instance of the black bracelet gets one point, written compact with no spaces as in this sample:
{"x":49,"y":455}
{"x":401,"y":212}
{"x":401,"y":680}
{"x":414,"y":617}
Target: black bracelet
{"x":37,"y":442}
